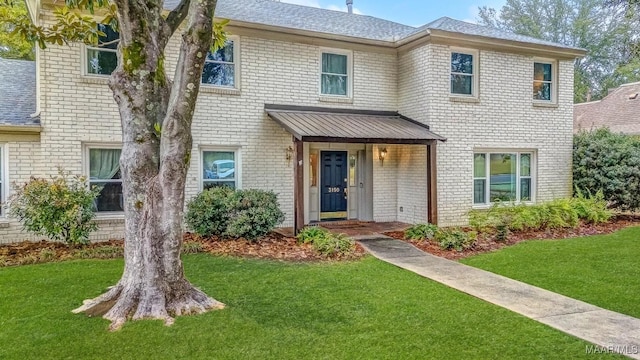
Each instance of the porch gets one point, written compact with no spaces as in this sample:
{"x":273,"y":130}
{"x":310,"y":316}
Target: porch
{"x":353,"y":228}
{"x":339,"y":157}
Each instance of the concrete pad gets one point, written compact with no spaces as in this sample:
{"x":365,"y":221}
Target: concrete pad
{"x":610,"y":330}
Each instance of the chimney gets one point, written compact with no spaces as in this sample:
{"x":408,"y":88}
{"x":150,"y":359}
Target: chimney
{"x":350,"y":6}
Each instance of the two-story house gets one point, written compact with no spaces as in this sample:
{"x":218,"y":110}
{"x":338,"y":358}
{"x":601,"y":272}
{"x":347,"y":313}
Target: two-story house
{"x":344,"y":116}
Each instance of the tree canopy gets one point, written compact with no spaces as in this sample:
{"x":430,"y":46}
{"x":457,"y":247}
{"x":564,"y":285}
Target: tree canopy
{"x":12,"y":45}
{"x":604,"y":29}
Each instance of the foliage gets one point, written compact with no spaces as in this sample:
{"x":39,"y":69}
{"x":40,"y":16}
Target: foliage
{"x":455,"y":238}
{"x":13,"y":46}
{"x":221,"y":211}
{"x":608,"y":162}
{"x":604,"y":30}
{"x":421,"y":232}
{"x":60,"y":208}
{"x":325,"y":242}
{"x":560,"y":213}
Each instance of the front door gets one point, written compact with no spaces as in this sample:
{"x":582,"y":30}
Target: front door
{"x":334,"y":182}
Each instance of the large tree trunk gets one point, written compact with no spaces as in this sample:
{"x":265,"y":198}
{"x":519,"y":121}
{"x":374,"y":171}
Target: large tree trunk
{"x":154,"y":163}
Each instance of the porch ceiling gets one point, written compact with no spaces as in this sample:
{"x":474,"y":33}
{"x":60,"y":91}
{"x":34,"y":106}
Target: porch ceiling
{"x":317,"y":124}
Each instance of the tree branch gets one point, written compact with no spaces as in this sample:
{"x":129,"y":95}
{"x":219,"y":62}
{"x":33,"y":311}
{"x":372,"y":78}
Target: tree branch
{"x":177,"y":15}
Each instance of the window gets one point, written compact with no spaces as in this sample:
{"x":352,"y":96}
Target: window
{"x":543,"y":83}
{"x":464,"y":73}
{"x":2,"y":181}
{"x":219,"y":168}
{"x":502,"y":177}
{"x":334,"y":74}
{"x":103,"y":59}
{"x":220,"y":66}
{"x":104,"y":174}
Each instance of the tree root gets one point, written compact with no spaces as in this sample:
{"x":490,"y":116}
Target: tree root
{"x":120,"y":304}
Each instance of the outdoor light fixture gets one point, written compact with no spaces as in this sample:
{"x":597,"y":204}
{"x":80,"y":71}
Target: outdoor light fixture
{"x":289,"y":155}
{"x":381,"y":155}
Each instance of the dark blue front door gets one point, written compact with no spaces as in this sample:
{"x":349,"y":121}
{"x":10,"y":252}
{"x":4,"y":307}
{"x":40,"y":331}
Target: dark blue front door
{"x":333,"y":198}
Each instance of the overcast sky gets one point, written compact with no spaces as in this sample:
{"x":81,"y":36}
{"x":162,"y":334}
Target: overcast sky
{"x":409,"y":12}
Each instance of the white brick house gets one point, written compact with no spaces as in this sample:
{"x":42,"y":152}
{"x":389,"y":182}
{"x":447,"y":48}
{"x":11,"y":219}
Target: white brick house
{"x":339,"y":114}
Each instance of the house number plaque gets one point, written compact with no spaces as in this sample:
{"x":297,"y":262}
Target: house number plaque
{"x":334,"y":190}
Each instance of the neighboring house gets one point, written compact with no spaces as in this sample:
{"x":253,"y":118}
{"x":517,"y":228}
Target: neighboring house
{"x":344,"y":116}
{"x":619,"y":111}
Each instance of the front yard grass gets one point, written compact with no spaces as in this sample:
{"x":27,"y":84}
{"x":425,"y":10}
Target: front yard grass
{"x":601,"y":270}
{"x":355,"y":310}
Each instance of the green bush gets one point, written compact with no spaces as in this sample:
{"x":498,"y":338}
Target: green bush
{"x":609,"y":162}
{"x":592,"y":208}
{"x":60,"y":208}
{"x":455,"y":238}
{"x":326,"y":243}
{"x":241,"y":213}
{"x":421,"y":232}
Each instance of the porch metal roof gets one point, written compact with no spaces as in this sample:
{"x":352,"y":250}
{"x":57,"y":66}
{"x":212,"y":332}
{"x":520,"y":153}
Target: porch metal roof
{"x":317,"y":124}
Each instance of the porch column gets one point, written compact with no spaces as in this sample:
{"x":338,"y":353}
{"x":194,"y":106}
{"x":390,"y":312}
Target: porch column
{"x":432,"y":184}
{"x":298,"y":187}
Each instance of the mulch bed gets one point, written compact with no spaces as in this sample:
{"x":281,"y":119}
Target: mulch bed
{"x":487,"y":243}
{"x":274,"y":246}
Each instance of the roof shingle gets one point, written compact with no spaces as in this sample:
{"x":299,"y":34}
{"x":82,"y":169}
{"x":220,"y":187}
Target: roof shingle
{"x":619,"y":111}
{"x":17,"y":92}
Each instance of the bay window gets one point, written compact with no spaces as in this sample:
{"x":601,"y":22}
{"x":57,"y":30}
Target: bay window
{"x":502,"y":176}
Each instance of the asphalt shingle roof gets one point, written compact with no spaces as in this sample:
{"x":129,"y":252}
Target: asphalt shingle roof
{"x":274,"y":13}
{"x":619,"y":111}
{"x":17,"y":92}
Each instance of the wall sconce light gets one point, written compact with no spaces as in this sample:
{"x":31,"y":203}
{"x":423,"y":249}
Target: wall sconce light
{"x":289,"y":155}
{"x":381,"y":155}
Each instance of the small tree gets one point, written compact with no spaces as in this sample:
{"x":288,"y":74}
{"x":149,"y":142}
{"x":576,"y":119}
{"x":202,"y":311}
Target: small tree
{"x":60,"y":208}
{"x":609,"y":162}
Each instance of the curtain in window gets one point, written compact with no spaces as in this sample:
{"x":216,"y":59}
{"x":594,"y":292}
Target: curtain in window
{"x":104,"y":164}
{"x":334,"y":74}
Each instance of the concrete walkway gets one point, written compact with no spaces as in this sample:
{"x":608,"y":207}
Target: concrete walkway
{"x":611,"y":331}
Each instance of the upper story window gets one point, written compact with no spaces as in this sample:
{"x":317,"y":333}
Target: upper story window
{"x":104,"y":173}
{"x":220,"y":66}
{"x":543,"y":81}
{"x":464,"y":76}
{"x":103,"y":59}
{"x":219,"y":168}
{"x":502,"y":176}
{"x":335,"y":73}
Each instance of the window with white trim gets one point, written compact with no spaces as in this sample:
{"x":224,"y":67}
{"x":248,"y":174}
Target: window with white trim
{"x":104,"y":174}
{"x":220,"y":66}
{"x":2,"y":180}
{"x":219,"y":168}
{"x":103,"y":58}
{"x":464,"y":73}
{"x":544,"y":86}
{"x":335,"y":73}
{"x":502,"y":176}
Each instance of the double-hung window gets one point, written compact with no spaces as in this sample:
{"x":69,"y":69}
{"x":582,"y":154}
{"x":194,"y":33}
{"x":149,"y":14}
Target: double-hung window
{"x":335,"y":79}
{"x":544,"y":82}
{"x":104,"y":174}
{"x":219,"y":168}
{"x":220,"y":66}
{"x":103,"y":59}
{"x":464,"y":73}
{"x":502,"y":176}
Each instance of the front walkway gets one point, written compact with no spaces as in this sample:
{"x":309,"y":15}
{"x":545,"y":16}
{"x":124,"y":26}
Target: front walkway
{"x":610,"y":330}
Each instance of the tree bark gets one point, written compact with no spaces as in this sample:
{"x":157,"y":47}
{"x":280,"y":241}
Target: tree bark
{"x":154,"y":163}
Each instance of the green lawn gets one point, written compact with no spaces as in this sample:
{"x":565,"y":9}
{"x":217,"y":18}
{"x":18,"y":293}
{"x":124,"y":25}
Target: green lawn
{"x":360,"y":310}
{"x":601,"y":270}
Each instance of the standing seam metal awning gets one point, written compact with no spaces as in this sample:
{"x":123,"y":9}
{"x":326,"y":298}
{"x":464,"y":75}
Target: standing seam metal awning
{"x":316,"y":124}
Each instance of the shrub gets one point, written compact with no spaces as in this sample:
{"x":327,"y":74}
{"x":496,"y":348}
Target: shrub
{"x":421,"y":232}
{"x":191,"y":247}
{"x":324,"y":242}
{"x":455,"y":238}
{"x":609,"y":162}
{"x":60,"y":208}
{"x":592,"y":208}
{"x":241,"y":213}
{"x":208,"y":213}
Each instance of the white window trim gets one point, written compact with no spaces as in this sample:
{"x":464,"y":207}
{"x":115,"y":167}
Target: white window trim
{"x":475,"y":76}
{"x":86,"y":171}
{"x":237,"y":158}
{"x":236,"y":67}
{"x":554,"y":80}
{"x":4,"y":178}
{"x":533,"y":176}
{"x":349,"y":55}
